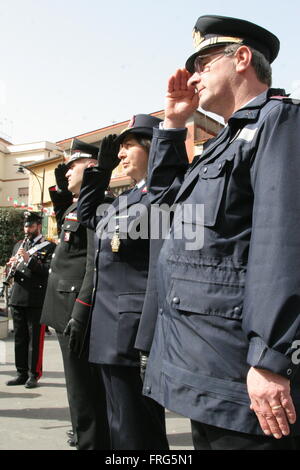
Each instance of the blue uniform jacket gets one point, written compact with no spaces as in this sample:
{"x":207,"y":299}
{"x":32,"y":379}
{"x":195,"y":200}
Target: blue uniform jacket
{"x":121,"y":277}
{"x":233,"y":301}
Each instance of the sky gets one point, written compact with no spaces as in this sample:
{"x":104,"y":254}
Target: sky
{"x":74,"y":66}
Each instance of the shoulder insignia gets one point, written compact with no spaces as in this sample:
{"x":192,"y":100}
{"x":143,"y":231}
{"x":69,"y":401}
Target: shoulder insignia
{"x":72,"y":216}
{"x":286,"y":99}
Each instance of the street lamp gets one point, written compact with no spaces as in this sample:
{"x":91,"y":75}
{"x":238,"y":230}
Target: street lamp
{"x":21,"y":169}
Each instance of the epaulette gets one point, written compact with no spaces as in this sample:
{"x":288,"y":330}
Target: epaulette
{"x":286,"y":99}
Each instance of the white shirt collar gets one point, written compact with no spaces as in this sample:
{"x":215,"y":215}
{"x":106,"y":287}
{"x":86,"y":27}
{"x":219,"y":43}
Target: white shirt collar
{"x":140,"y":184}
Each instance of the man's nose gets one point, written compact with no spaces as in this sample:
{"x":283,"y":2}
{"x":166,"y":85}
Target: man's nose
{"x":194,"y":79}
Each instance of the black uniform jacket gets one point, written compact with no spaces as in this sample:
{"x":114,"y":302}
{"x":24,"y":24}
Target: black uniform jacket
{"x":70,"y":283}
{"x":30,"y":280}
{"x":232,"y":300}
{"x":120,"y":277}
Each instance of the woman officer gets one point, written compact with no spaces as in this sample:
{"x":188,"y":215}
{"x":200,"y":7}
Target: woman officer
{"x":121,"y":273}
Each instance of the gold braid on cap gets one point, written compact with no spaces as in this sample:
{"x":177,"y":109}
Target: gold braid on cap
{"x":200,"y":41}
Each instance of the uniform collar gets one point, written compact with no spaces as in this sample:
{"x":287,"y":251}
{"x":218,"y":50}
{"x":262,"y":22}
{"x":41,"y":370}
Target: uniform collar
{"x":261,"y":95}
{"x":251,"y":109}
{"x":140,"y":184}
{"x":36,"y":239}
{"x":71,"y":208}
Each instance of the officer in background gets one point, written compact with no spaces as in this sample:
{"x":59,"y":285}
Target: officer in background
{"x":29,"y":266}
{"x":68,"y":300}
{"x":223,"y":352}
{"x":122,"y":266}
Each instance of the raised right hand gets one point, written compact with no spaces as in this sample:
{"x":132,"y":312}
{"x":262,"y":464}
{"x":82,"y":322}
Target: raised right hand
{"x":60,"y":177}
{"x":181,"y":100}
{"x":108,"y":153}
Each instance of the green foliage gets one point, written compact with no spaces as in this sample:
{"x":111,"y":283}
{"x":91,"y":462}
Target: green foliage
{"x":11,"y":230}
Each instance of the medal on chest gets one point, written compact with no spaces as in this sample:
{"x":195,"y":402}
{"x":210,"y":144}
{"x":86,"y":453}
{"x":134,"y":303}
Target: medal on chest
{"x":115,"y":241}
{"x":67,"y":236}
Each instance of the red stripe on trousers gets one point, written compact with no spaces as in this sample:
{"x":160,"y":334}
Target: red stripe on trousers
{"x":39,"y":365}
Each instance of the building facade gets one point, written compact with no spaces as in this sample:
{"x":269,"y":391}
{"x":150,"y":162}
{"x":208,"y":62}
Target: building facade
{"x":27,"y":170}
{"x":16,"y":187}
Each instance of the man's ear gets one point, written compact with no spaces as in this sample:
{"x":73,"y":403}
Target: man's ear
{"x":92,"y":163}
{"x":243,"y":57}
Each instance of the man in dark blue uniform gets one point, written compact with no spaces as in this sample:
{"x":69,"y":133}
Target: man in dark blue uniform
{"x":225,"y":347}
{"x":122,"y":264}
{"x":31,"y":259}
{"x":68,"y":301}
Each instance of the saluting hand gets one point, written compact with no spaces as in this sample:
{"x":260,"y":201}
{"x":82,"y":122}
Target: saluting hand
{"x":108,"y":153}
{"x":181,"y":100}
{"x":60,"y":177}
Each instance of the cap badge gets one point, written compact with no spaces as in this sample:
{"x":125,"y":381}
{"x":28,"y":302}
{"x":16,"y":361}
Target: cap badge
{"x":131,"y":123}
{"x":197,"y":38}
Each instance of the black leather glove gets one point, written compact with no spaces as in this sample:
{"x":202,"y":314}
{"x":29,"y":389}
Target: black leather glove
{"x":76,"y":331}
{"x":60,"y":177}
{"x":143,"y":364}
{"x":108,"y":153}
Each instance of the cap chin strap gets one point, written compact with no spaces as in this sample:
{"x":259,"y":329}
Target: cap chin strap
{"x":82,"y":155}
{"x":78,"y":155}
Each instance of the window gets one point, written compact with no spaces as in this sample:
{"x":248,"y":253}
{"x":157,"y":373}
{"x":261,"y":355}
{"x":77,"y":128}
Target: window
{"x":23,"y":192}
